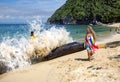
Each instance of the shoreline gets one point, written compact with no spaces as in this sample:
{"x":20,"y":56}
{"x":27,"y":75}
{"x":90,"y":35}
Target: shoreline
{"x":111,"y":38}
{"x":73,"y":67}
{"x":114,"y":25}
{"x":109,"y":25}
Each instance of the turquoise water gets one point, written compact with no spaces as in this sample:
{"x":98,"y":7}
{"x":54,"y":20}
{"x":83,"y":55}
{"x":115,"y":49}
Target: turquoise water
{"x":77,"y":32}
{"x":13,"y":30}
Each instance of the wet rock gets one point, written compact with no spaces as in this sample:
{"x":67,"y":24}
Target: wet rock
{"x":3,"y":67}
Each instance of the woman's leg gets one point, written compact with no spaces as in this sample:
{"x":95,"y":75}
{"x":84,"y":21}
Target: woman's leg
{"x":89,"y":53}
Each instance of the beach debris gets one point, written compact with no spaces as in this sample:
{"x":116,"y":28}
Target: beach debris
{"x":90,"y":67}
{"x":98,"y":68}
{"x":94,"y":67}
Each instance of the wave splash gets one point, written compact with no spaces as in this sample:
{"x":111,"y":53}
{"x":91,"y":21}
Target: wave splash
{"x":16,"y":53}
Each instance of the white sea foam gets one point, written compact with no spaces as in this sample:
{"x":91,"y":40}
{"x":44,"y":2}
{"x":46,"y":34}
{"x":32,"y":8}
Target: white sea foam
{"x":16,"y":52}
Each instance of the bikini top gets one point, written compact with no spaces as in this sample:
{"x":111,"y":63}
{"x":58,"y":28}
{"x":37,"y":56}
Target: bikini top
{"x":90,"y":39}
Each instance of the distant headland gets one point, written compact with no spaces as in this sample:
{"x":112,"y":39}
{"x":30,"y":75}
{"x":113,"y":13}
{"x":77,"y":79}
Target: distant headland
{"x":87,"y":12}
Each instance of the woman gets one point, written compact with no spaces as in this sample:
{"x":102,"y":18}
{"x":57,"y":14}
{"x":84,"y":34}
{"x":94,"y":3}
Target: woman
{"x":89,"y":43}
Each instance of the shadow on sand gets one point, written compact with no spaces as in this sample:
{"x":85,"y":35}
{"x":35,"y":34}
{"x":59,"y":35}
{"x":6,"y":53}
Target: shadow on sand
{"x":118,"y":56}
{"x":115,"y":57}
{"x":81,"y":59}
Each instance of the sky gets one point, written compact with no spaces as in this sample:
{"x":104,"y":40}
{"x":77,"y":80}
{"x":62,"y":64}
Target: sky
{"x":20,"y":11}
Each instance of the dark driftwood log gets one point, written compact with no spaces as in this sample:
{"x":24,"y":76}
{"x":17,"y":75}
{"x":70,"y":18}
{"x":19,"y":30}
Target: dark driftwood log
{"x":113,"y":44}
{"x":75,"y":47}
{"x":65,"y":50}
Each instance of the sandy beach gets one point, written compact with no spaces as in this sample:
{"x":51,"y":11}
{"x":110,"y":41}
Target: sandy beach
{"x":73,"y":68}
{"x":114,"y":25}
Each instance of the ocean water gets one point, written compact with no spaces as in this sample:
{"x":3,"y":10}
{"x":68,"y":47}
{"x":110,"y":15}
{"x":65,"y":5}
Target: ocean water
{"x":16,"y":47}
{"x":77,"y":32}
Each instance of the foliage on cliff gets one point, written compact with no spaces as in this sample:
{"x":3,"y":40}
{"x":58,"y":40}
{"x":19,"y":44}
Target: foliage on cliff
{"x":87,"y":11}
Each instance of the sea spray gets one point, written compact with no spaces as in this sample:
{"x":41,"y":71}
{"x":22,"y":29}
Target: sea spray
{"x":46,"y":39}
{"x":17,"y":51}
{"x":13,"y":53}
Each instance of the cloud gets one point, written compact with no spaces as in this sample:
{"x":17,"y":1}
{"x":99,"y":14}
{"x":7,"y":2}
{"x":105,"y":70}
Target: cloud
{"x":6,"y":17}
{"x":20,"y":19}
{"x":25,"y":9}
{"x":1,"y":17}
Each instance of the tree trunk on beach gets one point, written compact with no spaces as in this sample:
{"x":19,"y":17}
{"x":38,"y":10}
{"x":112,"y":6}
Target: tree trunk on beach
{"x":113,"y":44}
{"x":65,"y":50}
{"x":75,"y":47}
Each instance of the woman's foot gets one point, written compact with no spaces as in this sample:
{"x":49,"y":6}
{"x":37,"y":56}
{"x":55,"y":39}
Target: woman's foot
{"x":89,"y":59}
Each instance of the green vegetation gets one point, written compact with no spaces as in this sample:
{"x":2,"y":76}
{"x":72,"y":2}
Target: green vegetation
{"x":87,"y":11}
